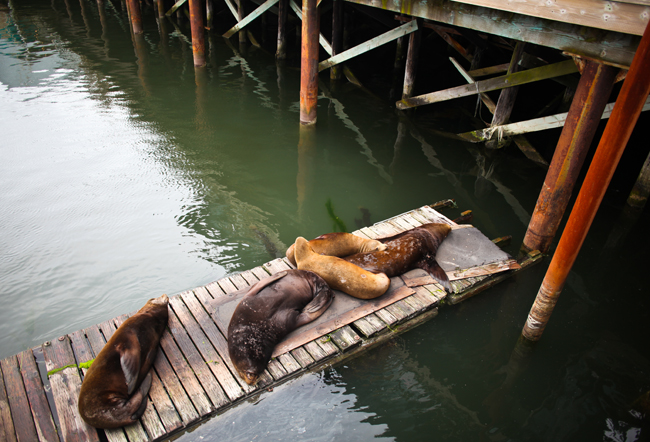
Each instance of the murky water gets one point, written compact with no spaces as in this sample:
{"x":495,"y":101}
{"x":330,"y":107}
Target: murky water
{"x":125,"y":174}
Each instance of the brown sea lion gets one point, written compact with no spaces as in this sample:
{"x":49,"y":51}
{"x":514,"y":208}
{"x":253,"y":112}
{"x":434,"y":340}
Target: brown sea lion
{"x":271,"y":309}
{"x":114,"y":391}
{"x":415,"y":248}
{"x":340,"y":274}
{"x":338,"y":244}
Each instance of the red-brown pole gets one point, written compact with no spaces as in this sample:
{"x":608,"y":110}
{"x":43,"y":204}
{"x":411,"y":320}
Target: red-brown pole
{"x":634,"y":92}
{"x":136,"y":16}
{"x":582,"y":121}
{"x":309,"y":62}
{"x":198,"y":37}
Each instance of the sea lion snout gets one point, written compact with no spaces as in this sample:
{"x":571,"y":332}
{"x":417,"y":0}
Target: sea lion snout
{"x":161,"y":300}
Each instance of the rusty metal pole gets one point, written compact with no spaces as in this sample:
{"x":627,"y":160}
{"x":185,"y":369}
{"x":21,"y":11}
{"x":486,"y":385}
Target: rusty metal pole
{"x":136,"y":16}
{"x":634,"y":92}
{"x":198,"y":37}
{"x":582,"y":121}
{"x":309,"y":62}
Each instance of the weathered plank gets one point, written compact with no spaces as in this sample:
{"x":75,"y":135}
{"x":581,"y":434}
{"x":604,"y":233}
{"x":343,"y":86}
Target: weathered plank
{"x":7,"y":430}
{"x":345,"y":338}
{"x":18,"y":402}
{"x":302,"y":356}
{"x":370,"y":325}
{"x":611,"y":16}
{"x":492,"y":84}
{"x":277,"y":265}
{"x":65,"y":386}
{"x":250,"y":17}
{"x":220,"y":353}
{"x":373,"y":43}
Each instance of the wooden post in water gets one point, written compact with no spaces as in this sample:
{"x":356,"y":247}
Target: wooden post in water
{"x":337,"y":36}
{"x":198,"y":34}
{"x":507,"y":98}
{"x":136,"y":16}
{"x":309,"y":62}
{"x":209,"y":14}
{"x":582,"y":121}
{"x":634,"y":92}
{"x":160,"y":5}
{"x":411,"y":63}
{"x":241,"y":14}
{"x":283,"y":9}
{"x":639,"y":195}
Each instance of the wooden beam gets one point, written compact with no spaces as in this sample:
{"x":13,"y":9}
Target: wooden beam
{"x":522,"y":127}
{"x":492,"y":84}
{"x":612,"y":16}
{"x":485,"y":98}
{"x":250,"y":17}
{"x":173,"y":9}
{"x":233,"y":9}
{"x":609,"y":47}
{"x":368,"y":45}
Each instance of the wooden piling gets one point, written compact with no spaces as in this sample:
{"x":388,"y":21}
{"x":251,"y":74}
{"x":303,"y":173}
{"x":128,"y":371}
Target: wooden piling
{"x":309,"y":62}
{"x":639,"y":195}
{"x":337,"y":36}
{"x":209,"y":14}
{"x":241,"y":14}
{"x":411,"y":63}
{"x":160,"y":5}
{"x":136,"y":16}
{"x":634,"y":92}
{"x":283,"y":9}
{"x":198,"y":37}
{"x":582,"y":121}
{"x":506,"y":98}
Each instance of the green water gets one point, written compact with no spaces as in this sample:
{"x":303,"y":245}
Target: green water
{"x":125,"y":173}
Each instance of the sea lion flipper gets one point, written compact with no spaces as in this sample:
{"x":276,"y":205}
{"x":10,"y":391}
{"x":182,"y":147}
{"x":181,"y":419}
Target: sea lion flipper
{"x":431,"y":266}
{"x":141,"y":395}
{"x":259,"y":285}
{"x":130,"y":362}
{"x":315,"y":308}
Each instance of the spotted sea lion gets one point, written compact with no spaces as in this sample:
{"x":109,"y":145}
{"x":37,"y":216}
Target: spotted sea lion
{"x":271,"y":309}
{"x":340,"y":274}
{"x":338,"y":244}
{"x":415,"y":248}
{"x":114,"y":391}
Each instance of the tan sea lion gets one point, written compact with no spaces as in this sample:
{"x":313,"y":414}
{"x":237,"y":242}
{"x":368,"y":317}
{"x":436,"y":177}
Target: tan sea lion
{"x":271,"y":309}
{"x":415,"y":248}
{"x":338,"y":244}
{"x":114,"y":391}
{"x":340,"y":274}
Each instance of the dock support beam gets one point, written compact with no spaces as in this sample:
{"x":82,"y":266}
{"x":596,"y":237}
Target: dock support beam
{"x":337,"y":36}
{"x":582,"y":121}
{"x":198,"y":37}
{"x":411,"y":63}
{"x":281,"y":50}
{"x":634,"y":92}
{"x":136,"y":16}
{"x":309,"y":62}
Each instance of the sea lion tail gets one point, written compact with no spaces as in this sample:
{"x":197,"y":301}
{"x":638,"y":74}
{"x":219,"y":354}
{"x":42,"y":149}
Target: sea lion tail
{"x":431,"y":266}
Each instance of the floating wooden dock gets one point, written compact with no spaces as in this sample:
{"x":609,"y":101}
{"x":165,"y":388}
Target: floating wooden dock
{"x":193,"y":377}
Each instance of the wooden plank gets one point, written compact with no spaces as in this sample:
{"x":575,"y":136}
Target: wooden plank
{"x":173,"y":9}
{"x":373,"y":43}
{"x":370,"y":325}
{"x":327,"y":345}
{"x":345,"y":338}
{"x":386,"y":316}
{"x":289,"y":363}
{"x":260,"y":273}
{"x":227,"y":286}
{"x":610,"y":47}
{"x":535,"y":125}
{"x":275,"y":266}
{"x":276,"y":369}
{"x":250,"y":17}
{"x":492,"y":84}
{"x":65,"y":386}
{"x":43,"y":420}
{"x":215,"y":337}
{"x":206,"y":370}
{"x":18,"y":402}
{"x":238,"y":281}
{"x":483,"y":72}
{"x":611,"y":16}
{"x":302,"y":356}
{"x":315,"y":351}
{"x":7,"y":430}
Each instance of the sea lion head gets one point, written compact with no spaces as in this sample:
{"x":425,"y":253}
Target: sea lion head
{"x":162,"y":300}
{"x":372,"y":246}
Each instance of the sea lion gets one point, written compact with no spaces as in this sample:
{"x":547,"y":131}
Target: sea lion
{"x":340,"y":274}
{"x":415,"y":248}
{"x":338,"y":244}
{"x":114,"y":391}
{"x":271,"y":309}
